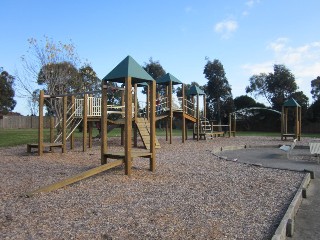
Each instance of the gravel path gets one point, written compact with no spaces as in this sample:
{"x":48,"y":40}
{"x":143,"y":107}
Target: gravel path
{"x":192,"y":195}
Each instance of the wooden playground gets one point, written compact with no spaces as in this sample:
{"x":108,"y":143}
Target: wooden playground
{"x":133,"y":121}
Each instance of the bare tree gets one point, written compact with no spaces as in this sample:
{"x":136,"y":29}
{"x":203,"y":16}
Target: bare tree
{"x":51,"y":65}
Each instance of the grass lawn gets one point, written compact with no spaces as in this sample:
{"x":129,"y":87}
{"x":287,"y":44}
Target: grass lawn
{"x":13,"y":137}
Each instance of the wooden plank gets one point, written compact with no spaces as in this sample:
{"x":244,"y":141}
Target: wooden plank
{"x":76,"y":178}
{"x":128,"y":125}
{"x":134,"y":154}
{"x":85,"y":122}
{"x":104,"y":127}
{"x":40,"y":127}
{"x":64,"y":124}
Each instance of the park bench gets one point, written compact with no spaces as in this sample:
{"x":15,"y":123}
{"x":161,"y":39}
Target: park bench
{"x":288,"y":149}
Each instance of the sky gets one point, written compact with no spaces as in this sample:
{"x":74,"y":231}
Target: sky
{"x":247,"y":36}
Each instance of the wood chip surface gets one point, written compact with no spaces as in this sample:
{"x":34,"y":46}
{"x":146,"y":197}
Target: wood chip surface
{"x":192,"y":194}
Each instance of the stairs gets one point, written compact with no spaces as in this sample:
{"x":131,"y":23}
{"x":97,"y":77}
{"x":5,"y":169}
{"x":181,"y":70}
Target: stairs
{"x":72,"y":125}
{"x":205,"y":126}
{"x":144,"y":129}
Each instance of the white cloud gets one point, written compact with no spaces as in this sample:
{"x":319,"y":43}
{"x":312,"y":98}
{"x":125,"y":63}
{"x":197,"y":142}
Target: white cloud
{"x":188,"y":9}
{"x":303,"y":61}
{"x":278,"y":45}
{"x":226,"y":28}
{"x":250,"y":3}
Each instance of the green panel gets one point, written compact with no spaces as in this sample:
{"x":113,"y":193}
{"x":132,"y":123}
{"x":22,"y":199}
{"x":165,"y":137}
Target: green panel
{"x":194,"y":90}
{"x":165,"y":79}
{"x":128,"y":67}
{"x":291,"y":103}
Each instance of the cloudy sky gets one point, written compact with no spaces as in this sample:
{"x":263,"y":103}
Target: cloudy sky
{"x":247,"y":36}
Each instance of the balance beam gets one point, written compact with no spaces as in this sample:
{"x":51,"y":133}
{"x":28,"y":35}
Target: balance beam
{"x":75,"y":178}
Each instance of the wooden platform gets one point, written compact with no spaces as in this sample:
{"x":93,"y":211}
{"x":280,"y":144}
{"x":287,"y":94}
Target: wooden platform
{"x":134,"y":154}
{"x":285,"y":135}
{"x":50,"y":145}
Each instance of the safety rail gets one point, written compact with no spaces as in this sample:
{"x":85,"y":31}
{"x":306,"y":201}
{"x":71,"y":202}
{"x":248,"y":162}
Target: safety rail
{"x":94,"y":107}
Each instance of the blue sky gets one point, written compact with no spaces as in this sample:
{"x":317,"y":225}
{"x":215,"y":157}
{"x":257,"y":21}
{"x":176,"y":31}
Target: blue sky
{"x":247,"y":36}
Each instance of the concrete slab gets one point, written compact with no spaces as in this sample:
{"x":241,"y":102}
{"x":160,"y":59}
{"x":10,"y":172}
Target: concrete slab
{"x":307,"y":221}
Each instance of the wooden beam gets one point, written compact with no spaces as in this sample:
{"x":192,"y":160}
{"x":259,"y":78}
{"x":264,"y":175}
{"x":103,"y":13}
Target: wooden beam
{"x":64,"y":125}
{"x":128,"y":125}
{"x":198,"y":118}
{"x":171,"y":111}
{"x":85,"y":122}
{"x":73,"y":109}
{"x":75,"y":178}
{"x":204,"y":106}
{"x":51,"y":131}
{"x":183,"y":115}
{"x":153,"y":126}
{"x":40,"y":127}
{"x":90,"y":133}
{"x":104,"y":120}
{"x":135,"y":103}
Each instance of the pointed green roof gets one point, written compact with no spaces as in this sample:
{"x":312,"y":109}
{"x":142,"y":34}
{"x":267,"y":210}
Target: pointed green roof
{"x":194,"y":90}
{"x":165,"y":79}
{"x":291,"y":103}
{"x":128,"y":67}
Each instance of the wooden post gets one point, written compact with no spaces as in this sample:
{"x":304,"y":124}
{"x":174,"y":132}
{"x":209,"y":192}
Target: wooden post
{"x":122,"y":102}
{"x":64,"y":124}
{"x":153,"y":126}
{"x":128,"y":125}
{"x":72,"y":112}
{"x":299,"y":124}
{"x":229,"y":124}
{"x":104,"y":126}
{"x":85,"y":122}
{"x":286,"y":120}
{"x":122,"y":129}
{"x":183,"y":116}
{"x":90,"y":133}
{"x":204,"y":106}
{"x":147,"y":103}
{"x":51,"y":132}
{"x":51,"y":129}
{"x":171,"y":111}
{"x":135,"y":130}
{"x":234,"y":124}
{"x":198,"y":119}
{"x":282,"y":122}
{"x":40,"y":127}
{"x":167,"y":118}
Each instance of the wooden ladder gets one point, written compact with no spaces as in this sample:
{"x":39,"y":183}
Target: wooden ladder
{"x":143,"y":125}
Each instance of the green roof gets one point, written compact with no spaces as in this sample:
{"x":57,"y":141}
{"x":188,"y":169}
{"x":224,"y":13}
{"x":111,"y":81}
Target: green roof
{"x":291,"y":103}
{"x":194,"y":90}
{"x":165,"y":79}
{"x":128,"y":67}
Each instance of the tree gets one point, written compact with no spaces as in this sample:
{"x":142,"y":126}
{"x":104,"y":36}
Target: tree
{"x":88,"y":80}
{"x":217,"y":89}
{"x":33,"y":102}
{"x":156,"y":71}
{"x":7,"y":103}
{"x":54,"y":66}
{"x":315,"y":88}
{"x":245,"y":101}
{"x":187,"y":88}
{"x":276,"y":87}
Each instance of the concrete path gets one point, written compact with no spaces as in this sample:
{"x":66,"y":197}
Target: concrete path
{"x":307,"y":222}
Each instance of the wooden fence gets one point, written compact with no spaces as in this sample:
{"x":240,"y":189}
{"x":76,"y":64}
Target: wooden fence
{"x":16,"y":122}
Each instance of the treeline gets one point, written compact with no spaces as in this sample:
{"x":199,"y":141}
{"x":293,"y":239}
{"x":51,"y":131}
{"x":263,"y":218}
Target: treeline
{"x":57,"y":69}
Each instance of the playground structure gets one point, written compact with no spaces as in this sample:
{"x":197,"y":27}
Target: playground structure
{"x":89,"y":109}
{"x":291,"y":106}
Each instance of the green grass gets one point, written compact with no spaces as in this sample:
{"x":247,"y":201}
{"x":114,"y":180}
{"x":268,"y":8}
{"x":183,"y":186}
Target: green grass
{"x":13,"y":137}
